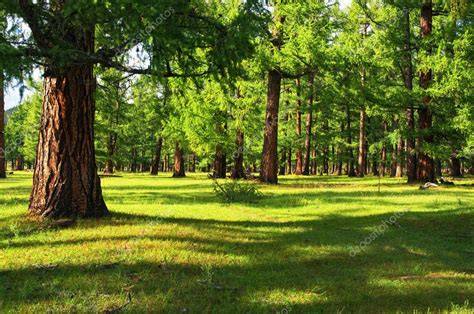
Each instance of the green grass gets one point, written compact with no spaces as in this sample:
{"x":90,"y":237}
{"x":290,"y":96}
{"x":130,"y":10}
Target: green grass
{"x":175,"y":248}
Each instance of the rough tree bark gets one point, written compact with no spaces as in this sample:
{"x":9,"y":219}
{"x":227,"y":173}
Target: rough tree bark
{"x":65,"y":181}
{"x":3,"y":172}
{"x":157,"y":157}
{"x":178,"y":170}
{"x":426,"y":167}
{"x":269,"y":164}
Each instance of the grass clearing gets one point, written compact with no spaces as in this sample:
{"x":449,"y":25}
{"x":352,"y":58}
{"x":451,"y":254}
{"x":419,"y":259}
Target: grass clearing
{"x":174,"y":247}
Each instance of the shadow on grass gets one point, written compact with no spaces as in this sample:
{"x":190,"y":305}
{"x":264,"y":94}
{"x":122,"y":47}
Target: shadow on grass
{"x":310,"y":258}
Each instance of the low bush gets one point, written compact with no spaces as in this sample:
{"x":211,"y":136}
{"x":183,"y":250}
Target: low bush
{"x":235,"y":191}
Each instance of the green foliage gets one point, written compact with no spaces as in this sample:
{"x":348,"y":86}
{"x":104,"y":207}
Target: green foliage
{"x":235,"y":191}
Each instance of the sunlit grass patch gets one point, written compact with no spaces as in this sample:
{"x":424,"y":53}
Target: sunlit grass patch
{"x":175,"y":247}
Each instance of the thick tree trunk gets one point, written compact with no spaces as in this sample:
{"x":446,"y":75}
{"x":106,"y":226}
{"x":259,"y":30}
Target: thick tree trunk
{"x":361,"y":159}
{"x":111,"y":145}
{"x":157,"y":157}
{"x":3,"y":170}
{"x":178,"y":170}
{"x":269,"y":165}
{"x":350,"y":162}
{"x":299,"y":153}
{"x":65,"y":181}
{"x":426,"y":167}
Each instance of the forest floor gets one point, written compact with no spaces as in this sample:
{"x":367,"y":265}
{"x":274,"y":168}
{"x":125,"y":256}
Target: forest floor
{"x":310,"y":245}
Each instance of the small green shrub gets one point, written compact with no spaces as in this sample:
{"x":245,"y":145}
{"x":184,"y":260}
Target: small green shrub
{"x":234,"y":191}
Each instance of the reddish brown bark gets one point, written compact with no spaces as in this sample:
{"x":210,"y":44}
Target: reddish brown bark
{"x":3,"y":173}
{"x":65,"y":181}
{"x":178,"y":170}
{"x":269,"y":170}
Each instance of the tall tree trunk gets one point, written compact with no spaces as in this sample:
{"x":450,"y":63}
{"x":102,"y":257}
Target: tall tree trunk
{"x":426,"y":168}
{"x":350,"y":162}
{"x":299,"y":153}
{"x":111,"y":145}
{"x":178,"y":170}
{"x":361,"y":159}
{"x":309,"y":123}
{"x":3,"y":170}
{"x":238,"y":172}
{"x":157,"y":157}
{"x":65,"y":181}
{"x":269,"y":164}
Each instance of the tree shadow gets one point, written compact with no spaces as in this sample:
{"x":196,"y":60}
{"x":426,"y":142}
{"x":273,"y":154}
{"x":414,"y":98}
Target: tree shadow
{"x":416,"y":263}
